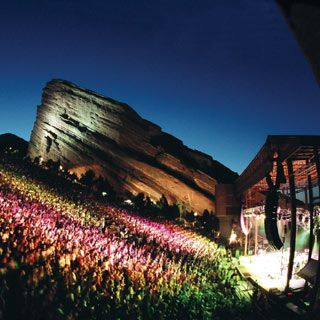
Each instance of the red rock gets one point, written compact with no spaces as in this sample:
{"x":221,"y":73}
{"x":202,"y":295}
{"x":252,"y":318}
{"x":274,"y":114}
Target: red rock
{"x":85,"y":130}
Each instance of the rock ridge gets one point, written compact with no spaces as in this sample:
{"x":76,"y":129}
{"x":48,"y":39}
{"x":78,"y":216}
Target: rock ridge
{"x":86,"y":130}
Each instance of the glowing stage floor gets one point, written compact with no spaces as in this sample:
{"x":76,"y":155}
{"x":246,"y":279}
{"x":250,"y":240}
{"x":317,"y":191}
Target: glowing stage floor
{"x":269,"y":270}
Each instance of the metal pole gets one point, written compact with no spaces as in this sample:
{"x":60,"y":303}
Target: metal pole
{"x":311,"y":235}
{"x":314,"y":303}
{"x":246,"y":245}
{"x":293,"y":222}
{"x":256,"y":235}
{"x":247,"y":222}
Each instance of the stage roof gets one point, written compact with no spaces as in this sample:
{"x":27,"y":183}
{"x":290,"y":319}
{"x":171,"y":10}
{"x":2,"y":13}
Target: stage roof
{"x":299,"y":149}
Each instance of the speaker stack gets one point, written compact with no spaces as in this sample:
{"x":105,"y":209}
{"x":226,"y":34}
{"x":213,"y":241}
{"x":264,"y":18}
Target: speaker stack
{"x":270,"y":222}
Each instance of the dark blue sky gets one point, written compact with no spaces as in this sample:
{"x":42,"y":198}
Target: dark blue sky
{"x":220,"y":75}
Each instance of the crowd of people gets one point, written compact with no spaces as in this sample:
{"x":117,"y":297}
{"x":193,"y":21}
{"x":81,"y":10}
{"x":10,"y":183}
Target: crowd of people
{"x":63,"y":259}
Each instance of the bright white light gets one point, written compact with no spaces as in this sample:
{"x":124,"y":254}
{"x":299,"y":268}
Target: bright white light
{"x":233,"y":237}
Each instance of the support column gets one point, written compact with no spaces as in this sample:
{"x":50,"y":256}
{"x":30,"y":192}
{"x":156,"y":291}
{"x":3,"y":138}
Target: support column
{"x":246,"y":242}
{"x":310,"y":207}
{"x":314,"y":303}
{"x":293,"y":222}
{"x":256,"y":235}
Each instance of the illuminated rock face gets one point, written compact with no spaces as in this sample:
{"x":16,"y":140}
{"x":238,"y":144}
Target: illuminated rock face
{"x":85,"y":130}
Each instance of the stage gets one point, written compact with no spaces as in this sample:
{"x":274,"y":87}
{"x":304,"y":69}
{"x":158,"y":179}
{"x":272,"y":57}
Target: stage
{"x":269,"y":269}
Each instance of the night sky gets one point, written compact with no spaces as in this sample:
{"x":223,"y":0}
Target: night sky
{"x":220,"y":75}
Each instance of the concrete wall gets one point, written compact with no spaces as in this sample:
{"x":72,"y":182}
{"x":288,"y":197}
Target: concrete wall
{"x":227,"y":207}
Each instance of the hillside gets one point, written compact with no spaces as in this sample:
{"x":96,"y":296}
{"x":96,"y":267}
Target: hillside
{"x":61,"y":259}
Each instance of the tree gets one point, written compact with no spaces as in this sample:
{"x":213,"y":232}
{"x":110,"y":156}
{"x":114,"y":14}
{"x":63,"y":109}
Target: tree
{"x":206,"y":215}
{"x":190,"y":216}
{"x":215,"y":223}
{"x":88,"y":178}
{"x":53,"y":166}
{"x":112,"y":195}
{"x":36,"y":160}
{"x":173,"y":212}
{"x":182,"y":209}
{"x":163,"y":203}
{"x":73,"y":176}
{"x":139,"y":202}
{"x":148,"y":205}
{"x":102,"y":184}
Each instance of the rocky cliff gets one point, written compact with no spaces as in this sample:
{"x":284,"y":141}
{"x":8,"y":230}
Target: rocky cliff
{"x":85,"y":130}
{"x":10,"y":143}
{"x":303,"y":17}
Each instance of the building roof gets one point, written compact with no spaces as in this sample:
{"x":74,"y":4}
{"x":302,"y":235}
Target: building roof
{"x":299,"y":149}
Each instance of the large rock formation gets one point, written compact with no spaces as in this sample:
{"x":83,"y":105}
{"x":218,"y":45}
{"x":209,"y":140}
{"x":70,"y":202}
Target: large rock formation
{"x":85,"y":130}
{"x":303,"y":17}
{"x":14,"y":145}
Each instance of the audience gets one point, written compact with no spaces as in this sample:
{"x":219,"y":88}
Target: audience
{"x":63,"y":259}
